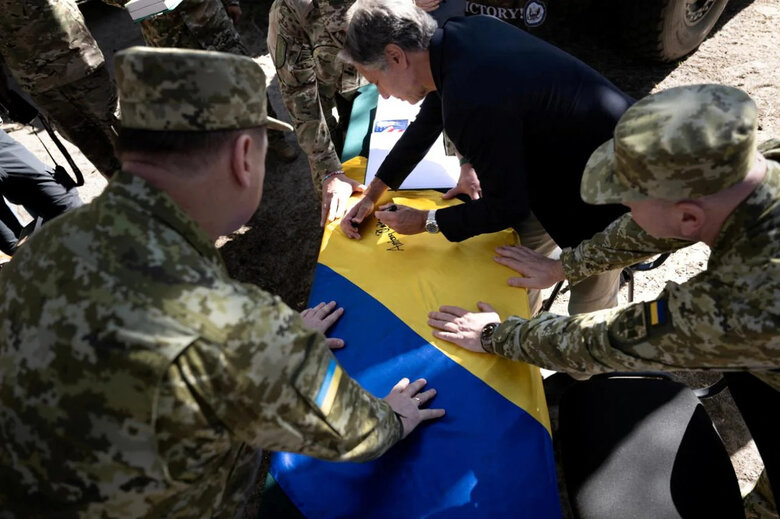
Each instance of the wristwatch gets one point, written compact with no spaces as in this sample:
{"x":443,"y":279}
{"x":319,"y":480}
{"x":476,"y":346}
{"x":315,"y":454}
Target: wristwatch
{"x":430,"y":224}
{"x":486,"y":337}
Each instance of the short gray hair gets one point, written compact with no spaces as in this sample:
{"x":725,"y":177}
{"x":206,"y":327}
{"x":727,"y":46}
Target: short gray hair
{"x":373,"y":24}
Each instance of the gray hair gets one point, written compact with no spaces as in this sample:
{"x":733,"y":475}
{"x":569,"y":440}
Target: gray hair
{"x":373,"y":24}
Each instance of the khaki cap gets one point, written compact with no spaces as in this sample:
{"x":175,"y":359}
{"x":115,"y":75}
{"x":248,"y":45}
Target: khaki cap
{"x":682,"y":143}
{"x":190,"y":90}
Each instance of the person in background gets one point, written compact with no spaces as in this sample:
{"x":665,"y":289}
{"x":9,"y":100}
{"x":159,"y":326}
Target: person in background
{"x":53,"y":56}
{"x":28,"y":182}
{"x":206,"y":25}
{"x":304,"y":38}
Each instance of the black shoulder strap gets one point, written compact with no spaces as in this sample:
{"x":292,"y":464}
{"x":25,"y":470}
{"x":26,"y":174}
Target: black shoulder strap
{"x":63,"y":150}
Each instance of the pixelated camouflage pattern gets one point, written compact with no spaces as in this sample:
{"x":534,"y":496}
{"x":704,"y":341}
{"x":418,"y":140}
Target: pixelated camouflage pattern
{"x":184,"y":90}
{"x":304,"y":38}
{"x":682,"y":143}
{"x":201,"y":25}
{"x":622,"y":244}
{"x":54,"y":58}
{"x":85,"y":113}
{"x":138,"y":380}
{"x":46,"y":43}
{"x":726,"y":318}
{"x":194,"y":24}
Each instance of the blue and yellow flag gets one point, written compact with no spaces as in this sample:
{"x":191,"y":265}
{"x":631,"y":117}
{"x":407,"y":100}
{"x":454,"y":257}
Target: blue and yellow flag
{"x":491,"y":455}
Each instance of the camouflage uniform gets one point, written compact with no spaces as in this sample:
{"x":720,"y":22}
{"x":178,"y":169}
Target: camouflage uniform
{"x":304,"y":38}
{"x":198,"y":24}
{"x":137,"y":379}
{"x":194,"y":24}
{"x":723,"y":319}
{"x":50,"y":51}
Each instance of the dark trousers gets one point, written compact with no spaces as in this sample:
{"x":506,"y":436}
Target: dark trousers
{"x":26,"y":181}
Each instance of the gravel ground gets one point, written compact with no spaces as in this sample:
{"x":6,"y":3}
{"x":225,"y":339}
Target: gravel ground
{"x":277,"y":249}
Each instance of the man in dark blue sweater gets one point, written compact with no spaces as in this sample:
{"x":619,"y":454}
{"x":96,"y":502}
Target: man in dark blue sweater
{"x":526,"y":114}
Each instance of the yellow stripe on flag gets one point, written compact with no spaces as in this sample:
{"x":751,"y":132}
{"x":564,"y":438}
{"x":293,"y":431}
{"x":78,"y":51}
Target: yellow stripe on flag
{"x":398,"y":272}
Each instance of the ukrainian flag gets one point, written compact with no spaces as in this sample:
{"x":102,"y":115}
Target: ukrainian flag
{"x":491,"y":455}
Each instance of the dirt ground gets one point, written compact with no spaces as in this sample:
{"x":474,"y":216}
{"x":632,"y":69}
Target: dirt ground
{"x":277,"y":248}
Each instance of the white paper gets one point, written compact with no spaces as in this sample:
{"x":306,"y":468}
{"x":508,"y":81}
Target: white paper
{"x":435,"y":171}
{"x":140,"y":9}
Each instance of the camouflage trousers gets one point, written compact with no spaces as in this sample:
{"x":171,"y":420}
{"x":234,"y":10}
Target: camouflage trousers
{"x":85,"y":112}
{"x":593,"y":293}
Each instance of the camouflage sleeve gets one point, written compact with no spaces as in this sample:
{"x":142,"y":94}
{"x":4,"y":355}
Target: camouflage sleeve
{"x":209,"y":23}
{"x":195,"y":24}
{"x":275,"y":385}
{"x":621,"y":244}
{"x":46,"y":43}
{"x":292,"y":53}
{"x":696,"y":325}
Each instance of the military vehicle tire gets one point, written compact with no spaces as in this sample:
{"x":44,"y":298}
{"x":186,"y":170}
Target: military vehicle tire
{"x":666,"y":30}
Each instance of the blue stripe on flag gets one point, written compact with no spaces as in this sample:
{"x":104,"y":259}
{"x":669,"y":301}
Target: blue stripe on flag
{"x":485,"y":458}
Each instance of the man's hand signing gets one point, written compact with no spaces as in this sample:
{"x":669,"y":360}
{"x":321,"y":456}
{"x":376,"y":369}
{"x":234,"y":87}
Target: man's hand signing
{"x":336,"y":190}
{"x":321,"y":318}
{"x":459,"y":326}
{"x":402,"y":219}
{"x":539,"y":270}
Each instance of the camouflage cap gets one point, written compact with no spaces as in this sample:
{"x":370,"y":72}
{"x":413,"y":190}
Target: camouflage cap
{"x":190,"y":90}
{"x":682,"y":143}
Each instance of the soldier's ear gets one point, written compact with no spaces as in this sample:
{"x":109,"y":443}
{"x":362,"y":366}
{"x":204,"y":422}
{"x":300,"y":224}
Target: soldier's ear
{"x":690,"y":219}
{"x":241,"y":160}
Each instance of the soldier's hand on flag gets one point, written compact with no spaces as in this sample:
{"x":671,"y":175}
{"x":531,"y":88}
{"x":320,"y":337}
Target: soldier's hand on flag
{"x":459,"y":326}
{"x":538,"y":270}
{"x":350,"y":224}
{"x":335,"y":192}
{"x":407,"y":400}
{"x":321,"y":318}
{"x":468,"y":184}
{"x":402,"y":219}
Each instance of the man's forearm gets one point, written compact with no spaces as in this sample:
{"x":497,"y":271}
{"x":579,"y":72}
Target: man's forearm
{"x":574,"y":344}
{"x":375,"y":189}
{"x":462,"y":221}
{"x":623,"y":243}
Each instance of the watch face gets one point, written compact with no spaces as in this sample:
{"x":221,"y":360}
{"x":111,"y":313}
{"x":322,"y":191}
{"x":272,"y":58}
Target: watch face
{"x":486,"y":337}
{"x":431,"y":226}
